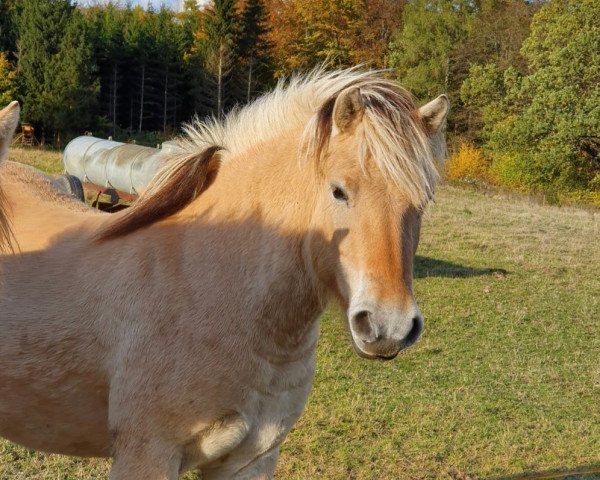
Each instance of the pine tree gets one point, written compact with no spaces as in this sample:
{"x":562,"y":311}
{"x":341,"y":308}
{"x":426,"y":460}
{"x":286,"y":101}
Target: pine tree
{"x":7,"y":27}
{"x":41,"y":25}
{"x":140,"y":42}
{"x":8,"y":36}
{"x":111,"y":53}
{"x":56,"y":77}
{"x":254,"y":48}
{"x":218,"y":49}
{"x":167,"y":43}
{"x":191,"y":19}
{"x":74,"y":85}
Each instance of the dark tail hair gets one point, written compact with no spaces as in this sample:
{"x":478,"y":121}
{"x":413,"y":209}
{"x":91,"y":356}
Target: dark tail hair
{"x":182,"y":178}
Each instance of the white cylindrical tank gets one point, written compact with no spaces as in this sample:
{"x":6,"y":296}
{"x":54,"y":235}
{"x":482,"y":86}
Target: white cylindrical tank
{"x":109,"y":164}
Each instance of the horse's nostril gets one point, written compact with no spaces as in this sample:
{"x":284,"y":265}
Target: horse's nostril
{"x":415,"y":332}
{"x":362,"y":326}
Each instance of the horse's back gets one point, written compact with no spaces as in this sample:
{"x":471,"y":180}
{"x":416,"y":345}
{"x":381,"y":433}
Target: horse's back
{"x":37,"y":211}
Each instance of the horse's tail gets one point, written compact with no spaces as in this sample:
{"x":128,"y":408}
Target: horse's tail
{"x":9,"y":118}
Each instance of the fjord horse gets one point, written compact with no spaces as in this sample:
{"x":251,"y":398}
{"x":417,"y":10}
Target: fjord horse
{"x":181,"y":332}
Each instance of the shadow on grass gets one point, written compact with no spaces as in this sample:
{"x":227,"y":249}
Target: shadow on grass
{"x":583,"y":473}
{"x":431,"y":267}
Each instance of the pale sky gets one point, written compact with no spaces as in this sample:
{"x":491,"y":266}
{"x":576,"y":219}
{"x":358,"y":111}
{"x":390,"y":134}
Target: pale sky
{"x":173,"y":4}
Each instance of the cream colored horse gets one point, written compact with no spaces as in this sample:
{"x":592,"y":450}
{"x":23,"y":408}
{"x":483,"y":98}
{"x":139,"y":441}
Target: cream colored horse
{"x":181,"y":333}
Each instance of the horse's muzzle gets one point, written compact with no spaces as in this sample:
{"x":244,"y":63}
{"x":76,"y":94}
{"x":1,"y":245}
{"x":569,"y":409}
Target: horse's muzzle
{"x":371,"y":339}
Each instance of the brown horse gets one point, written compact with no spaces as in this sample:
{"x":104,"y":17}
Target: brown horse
{"x":181,"y":333}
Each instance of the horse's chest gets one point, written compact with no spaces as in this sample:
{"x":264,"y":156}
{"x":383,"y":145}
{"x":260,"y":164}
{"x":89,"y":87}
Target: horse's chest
{"x":263,"y":393}
{"x":274,"y":399}
{"x":260,"y":418}
{"x":275,"y":404}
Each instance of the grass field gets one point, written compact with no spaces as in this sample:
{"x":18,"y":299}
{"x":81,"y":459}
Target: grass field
{"x":49,"y":161}
{"x":504,"y":383}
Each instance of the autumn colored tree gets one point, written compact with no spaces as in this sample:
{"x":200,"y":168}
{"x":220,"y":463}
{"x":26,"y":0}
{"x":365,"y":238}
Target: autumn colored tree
{"x":382,"y":19}
{"x":285,"y":27}
{"x":8,"y":85}
{"x":309,"y":33}
{"x":492,"y":47}
{"x":498,"y":31}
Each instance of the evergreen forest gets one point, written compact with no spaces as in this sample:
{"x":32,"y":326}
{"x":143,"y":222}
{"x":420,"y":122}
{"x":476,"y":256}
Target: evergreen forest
{"x":523,"y":76}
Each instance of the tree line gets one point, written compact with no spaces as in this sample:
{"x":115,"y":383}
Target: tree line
{"x":122,"y":69}
{"x":522,"y":75}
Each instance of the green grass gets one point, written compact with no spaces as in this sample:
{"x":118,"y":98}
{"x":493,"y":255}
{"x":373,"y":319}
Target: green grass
{"x":49,"y":161}
{"x":505,"y":381}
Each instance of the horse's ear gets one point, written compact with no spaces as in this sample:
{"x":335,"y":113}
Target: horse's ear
{"x":434,"y":113}
{"x":9,"y":118}
{"x":348,"y":110}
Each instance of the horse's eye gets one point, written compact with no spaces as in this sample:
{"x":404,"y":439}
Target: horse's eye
{"x":339,"y":194}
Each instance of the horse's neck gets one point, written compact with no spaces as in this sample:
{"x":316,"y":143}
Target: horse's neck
{"x":270,"y":184}
{"x":286,"y":304}
{"x":263,"y":202}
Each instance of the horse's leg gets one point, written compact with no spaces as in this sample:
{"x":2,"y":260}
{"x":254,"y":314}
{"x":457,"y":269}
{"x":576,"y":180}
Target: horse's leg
{"x":261,"y":468}
{"x":145,"y":460}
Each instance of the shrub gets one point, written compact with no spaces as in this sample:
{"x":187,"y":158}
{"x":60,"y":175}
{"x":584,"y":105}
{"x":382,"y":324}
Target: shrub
{"x":526,"y":172}
{"x":510,"y":169}
{"x":468,"y":164}
{"x":579,"y":197}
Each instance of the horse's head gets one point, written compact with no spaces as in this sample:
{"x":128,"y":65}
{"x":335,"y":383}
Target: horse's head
{"x":376,"y":168}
